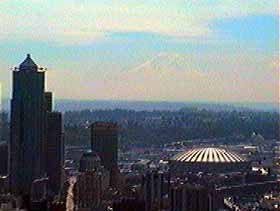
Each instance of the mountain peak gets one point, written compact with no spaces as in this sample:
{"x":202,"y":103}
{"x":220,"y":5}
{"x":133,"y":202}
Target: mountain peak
{"x":166,"y":61}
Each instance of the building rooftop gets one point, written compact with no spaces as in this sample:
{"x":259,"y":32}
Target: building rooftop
{"x":28,"y":64}
{"x":90,"y":155}
{"x":105,"y":125}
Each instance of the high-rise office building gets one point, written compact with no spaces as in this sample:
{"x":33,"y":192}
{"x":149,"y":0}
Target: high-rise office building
{"x":276,"y":166}
{"x":54,"y":150}
{"x":104,"y":141}
{"x":129,"y":204}
{"x":92,"y":182}
{"x":89,"y":162}
{"x":88,"y":190}
{"x":3,"y":159}
{"x":193,"y":198}
{"x":152,"y":185}
{"x":4,"y":126}
{"x":48,"y":101}
{"x":27,"y":126}
{"x":36,"y":144}
{"x":39,"y":189}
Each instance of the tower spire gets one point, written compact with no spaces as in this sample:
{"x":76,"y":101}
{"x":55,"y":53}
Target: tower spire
{"x":28,"y":64}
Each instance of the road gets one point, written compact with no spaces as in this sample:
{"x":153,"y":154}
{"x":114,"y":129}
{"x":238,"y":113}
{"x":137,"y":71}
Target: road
{"x":70,"y":195}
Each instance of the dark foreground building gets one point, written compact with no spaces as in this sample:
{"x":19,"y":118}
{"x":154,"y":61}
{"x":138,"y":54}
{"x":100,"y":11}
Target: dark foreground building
{"x":129,"y":204}
{"x":27,"y":126}
{"x":54,"y":150}
{"x":153,"y":189}
{"x":194,"y":198}
{"x":3,"y":159}
{"x":36,"y":144}
{"x":104,"y":141}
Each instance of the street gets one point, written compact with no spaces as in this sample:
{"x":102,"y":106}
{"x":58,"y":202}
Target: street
{"x":70,"y":195}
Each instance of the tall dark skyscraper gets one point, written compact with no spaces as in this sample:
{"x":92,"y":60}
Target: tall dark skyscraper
{"x":194,"y":198}
{"x":27,"y":126}
{"x":54,"y":150}
{"x":153,"y":183}
{"x":4,"y":126}
{"x":48,"y":101}
{"x":3,"y":158}
{"x":129,"y":204}
{"x":104,"y":141}
{"x":36,"y":144}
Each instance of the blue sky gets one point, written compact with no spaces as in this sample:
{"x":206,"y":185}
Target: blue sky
{"x":91,"y":46}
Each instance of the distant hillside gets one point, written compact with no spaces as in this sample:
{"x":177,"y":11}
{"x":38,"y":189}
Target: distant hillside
{"x":77,"y":105}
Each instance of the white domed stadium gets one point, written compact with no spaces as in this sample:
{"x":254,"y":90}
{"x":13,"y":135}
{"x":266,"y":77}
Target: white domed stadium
{"x":209,"y":160}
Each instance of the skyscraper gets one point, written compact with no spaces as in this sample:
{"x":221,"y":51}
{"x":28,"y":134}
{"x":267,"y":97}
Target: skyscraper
{"x":152,"y":185}
{"x":92,"y":182}
{"x":89,"y":161}
{"x":3,"y":158}
{"x":276,"y":166}
{"x":104,"y":141}
{"x":4,"y":126}
{"x":27,"y":126}
{"x":194,"y":198}
{"x":129,"y":204}
{"x":48,"y":101}
{"x":54,"y":150}
{"x":53,"y":145}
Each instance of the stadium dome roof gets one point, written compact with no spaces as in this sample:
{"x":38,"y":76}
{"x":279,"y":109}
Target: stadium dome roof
{"x":208,"y":155}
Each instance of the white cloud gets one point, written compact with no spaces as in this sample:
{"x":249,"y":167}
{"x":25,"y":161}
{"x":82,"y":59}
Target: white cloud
{"x":85,"y":21}
{"x":218,"y":76}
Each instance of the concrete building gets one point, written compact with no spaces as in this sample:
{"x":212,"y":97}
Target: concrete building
{"x":4,"y":184}
{"x":104,"y":141}
{"x":89,"y":189}
{"x":90,"y":162}
{"x":92,"y":182}
{"x":129,"y":204}
{"x":39,"y":190}
{"x":9,"y":202}
{"x":193,"y":198}
{"x":152,"y":185}
{"x":276,"y":166}
{"x":141,"y":165}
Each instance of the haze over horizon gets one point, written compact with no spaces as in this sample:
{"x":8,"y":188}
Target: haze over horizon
{"x":145,"y":50}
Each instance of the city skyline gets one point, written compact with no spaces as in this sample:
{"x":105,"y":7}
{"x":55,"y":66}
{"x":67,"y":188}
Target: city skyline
{"x":158,"y":160}
{"x":161,"y":105}
{"x":162,"y":51}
